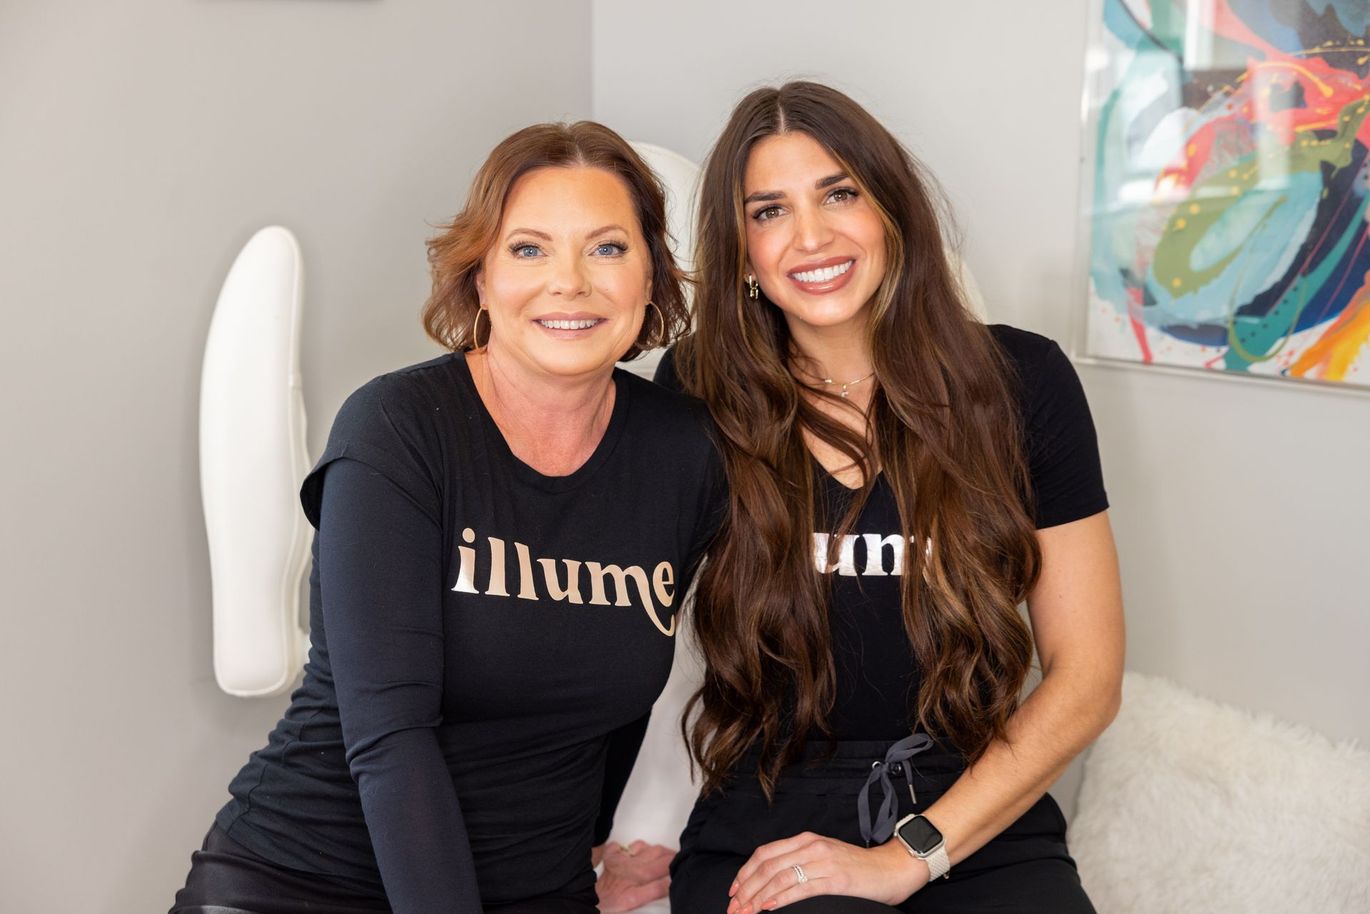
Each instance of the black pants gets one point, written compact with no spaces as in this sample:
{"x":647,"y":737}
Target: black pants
{"x":227,"y":878}
{"x":1025,"y":869}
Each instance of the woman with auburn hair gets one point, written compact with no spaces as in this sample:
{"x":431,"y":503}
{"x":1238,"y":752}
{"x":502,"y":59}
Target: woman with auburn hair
{"x":503,"y":536}
{"x":901,"y":478}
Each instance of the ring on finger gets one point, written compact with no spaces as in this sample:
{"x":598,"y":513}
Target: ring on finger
{"x":800,"y":876}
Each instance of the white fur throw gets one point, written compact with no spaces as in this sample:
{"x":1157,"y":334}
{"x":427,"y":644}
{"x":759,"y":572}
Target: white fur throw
{"x":1189,"y":805}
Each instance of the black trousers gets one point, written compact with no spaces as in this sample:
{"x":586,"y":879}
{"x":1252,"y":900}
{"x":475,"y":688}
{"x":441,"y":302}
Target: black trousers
{"x":227,"y":878}
{"x":1025,"y":869}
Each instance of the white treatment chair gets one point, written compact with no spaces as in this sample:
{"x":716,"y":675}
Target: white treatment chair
{"x":252,"y":461}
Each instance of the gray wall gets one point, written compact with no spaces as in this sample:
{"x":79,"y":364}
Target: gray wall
{"x":1240,"y":508}
{"x":143,"y":143}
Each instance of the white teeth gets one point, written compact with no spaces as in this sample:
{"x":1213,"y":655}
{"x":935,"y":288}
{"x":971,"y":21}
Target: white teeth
{"x":825,"y":274}
{"x":585,"y":324}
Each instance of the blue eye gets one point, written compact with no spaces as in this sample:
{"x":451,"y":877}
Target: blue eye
{"x":525,"y":250}
{"x":610,"y":249}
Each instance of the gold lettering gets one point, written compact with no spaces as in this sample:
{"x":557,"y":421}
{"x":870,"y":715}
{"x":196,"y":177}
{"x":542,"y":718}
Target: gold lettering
{"x":661,"y":583}
{"x":571,"y":593}
{"x":621,"y":576}
{"x":496,"y":584}
{"x":466,"y":565}
{"x":662,"y":579}
{"x":526,"y":589}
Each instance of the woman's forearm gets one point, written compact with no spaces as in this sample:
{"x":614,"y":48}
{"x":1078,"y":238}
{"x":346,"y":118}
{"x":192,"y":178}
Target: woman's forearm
{"x":1062,"y":716}
{"x":1077,"y":620}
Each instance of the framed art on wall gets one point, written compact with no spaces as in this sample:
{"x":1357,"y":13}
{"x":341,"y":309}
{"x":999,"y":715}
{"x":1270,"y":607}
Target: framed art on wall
{"x":1227,"y":181}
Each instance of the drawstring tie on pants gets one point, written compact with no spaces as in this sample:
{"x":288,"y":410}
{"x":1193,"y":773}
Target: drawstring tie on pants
{"x":885,"y":818}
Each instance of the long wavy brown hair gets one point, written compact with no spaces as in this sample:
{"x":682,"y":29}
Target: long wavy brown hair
{"x":455,"y":255}
{"x":943,"y":428}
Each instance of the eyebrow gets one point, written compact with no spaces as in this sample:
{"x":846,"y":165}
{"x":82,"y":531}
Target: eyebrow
{"x":603,"y":229}
{"x":527,"y":231}
{"x":820,"y":184}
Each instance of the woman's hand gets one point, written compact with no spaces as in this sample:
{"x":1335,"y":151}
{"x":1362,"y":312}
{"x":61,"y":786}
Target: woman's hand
{"x":634,"y":874}
{"x":769,"y":880}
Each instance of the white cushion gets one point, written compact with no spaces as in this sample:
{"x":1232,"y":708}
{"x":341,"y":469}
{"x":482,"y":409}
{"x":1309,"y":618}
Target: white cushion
{"x":1189,"y":805}
{"x":660,"y":793}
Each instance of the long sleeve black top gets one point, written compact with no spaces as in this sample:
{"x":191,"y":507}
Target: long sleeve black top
{"x":487,"y":643}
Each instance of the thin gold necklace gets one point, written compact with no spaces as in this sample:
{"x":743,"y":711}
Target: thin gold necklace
{"x":849,"y":384}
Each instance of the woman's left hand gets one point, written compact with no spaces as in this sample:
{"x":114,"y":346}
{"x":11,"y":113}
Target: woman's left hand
{"x":769,"y":880}
{"x":634,"y":874}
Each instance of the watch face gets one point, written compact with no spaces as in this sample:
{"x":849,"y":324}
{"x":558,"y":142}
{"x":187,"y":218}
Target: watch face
{"x":921,"y":835}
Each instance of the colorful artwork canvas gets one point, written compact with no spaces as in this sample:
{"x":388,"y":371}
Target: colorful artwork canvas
{"x":1230,"y":178}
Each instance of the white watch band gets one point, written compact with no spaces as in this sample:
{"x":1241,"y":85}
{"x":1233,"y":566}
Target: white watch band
{"x":939,"y":864}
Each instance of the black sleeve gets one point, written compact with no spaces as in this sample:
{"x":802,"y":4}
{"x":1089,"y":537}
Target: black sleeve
{"x":380,"y":548}
{"x":379,"y":426}
{"x":624,"y":744}
{"x":380,"y":571}
{"x":1063,"y":449}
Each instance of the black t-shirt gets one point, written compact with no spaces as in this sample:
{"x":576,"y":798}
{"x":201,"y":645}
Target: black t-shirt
{"x":487,"y":642}
{"x":877,"y":673}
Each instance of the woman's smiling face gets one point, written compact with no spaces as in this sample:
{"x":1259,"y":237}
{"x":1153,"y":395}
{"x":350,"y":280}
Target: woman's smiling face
{"x":569,"y":276}
{"x":814,"y":241}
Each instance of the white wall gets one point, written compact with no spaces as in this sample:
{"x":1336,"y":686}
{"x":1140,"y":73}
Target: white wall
{"x":143,"y":143}
{"x":1240,"y":508}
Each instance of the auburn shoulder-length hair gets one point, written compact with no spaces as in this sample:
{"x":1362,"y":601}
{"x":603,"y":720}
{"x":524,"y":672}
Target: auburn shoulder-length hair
{"x":943,"y":429}
{"x":455,"y":256}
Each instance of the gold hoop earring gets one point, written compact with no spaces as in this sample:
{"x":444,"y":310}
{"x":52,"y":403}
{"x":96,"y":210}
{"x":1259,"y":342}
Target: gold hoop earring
{"x":753,"y":288}
{"x":475,"y":325}
{"x":660,"y":338}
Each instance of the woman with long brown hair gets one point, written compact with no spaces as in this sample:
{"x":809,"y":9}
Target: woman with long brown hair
{"x":502,"y":534}
{"x":902,"y":477}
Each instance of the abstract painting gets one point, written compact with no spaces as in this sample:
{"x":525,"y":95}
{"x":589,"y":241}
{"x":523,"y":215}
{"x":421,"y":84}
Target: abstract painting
{"x":1230,"y":174}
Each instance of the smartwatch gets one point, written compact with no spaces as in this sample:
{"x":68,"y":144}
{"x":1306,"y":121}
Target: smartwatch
{"x":922,"y":839}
